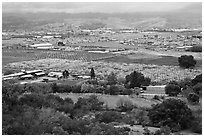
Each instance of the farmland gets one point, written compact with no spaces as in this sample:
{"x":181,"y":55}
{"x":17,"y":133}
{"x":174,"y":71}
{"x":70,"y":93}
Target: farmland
{"x":23,"y":55}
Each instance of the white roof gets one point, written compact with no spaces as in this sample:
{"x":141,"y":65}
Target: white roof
{"x":41,"y":45}
{"x":44,"y":47}
{"x":27,"y":76}
{"x":40,"y":73}
{"x":14,"y":75}
{"x":157,"y":86}
{"x":33,"y":71}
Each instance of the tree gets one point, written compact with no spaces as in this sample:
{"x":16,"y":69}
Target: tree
{"x":197,"y":79}
{"x":186,"y":61}
{"x":193,"y":98}
{"x":136,"y":79}
{"x":172,"y":89}
{"x":198,"y":89}
{"x":65,"y":73}
{"x":173,"y":113}
{"x":92,"y":73}
{"x":112,"y":80}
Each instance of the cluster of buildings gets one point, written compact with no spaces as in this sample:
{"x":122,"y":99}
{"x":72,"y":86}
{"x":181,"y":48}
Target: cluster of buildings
{"x":33,"y":76}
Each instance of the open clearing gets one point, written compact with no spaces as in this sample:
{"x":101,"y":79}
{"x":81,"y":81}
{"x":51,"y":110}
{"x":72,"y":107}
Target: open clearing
{"x":111,"y":100}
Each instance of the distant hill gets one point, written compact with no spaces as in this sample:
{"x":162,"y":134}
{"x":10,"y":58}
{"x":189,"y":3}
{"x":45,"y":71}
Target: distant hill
{"x":191,"y":19}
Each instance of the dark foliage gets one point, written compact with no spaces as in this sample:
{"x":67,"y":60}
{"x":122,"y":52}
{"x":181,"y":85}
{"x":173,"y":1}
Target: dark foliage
{"x":109,"y":116}
{"x":172,"y":89}
{"x":92,"y":73}
{"x":171,"y":112}
{"x":198,"y":89}
{"x":136,"y":79}
{"x":196,"y":49}
{"x":112,"y":79}
{"x":186,"y":61}
{"x":193,"y":98}
{"x":197,"y":79}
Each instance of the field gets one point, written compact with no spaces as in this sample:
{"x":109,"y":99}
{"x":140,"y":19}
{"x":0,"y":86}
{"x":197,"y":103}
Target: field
{"x":111,"y":100}
{"x":10,"y":56}
{"x":156,"y":60}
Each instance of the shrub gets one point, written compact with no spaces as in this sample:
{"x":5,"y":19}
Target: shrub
{"x":87,"y":88}
{"x":156,"y":97}
{"x":112,"y":79}
{"x":164,"y":130}
{"x":113,"y":90}
{"x":76,"y":89}
{"x":186,"y":61}
{"x":172,"y":90}
{"x":198,"y":89}
{"x":89,"y":104}
{"x":171,"y":112}
{"x":109,"y":116}
{"x":197,"y":79}
{"x":185,"y":83}
{"x":141,"y":116}
{"x":124,"y":105}
{"x":196,"y":124}
{"x":196,"y":49}
{"x":34,"y":100}
{"x":193,"y":98}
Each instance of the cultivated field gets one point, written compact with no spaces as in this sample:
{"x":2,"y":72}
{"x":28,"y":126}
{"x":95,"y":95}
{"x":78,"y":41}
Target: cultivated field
{"x":10,"y":56}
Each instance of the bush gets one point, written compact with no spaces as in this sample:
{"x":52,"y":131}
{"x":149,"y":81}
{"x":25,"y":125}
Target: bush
{"x":156,"y":97}
{"x":112,"y":79}
{"x":197,"y":79}
{"x":124,"y":105}
{"x":164,"y":130}
{"x":113,"y":90}
{"x":34,"y":100}
{"x":109,"y":116}
{"x":185,"y":83}
{"x":172,"y":90}
{"x":141,"y":116}
{"x":89,"y":104}
{"x":186,"y":61}
{"x":171,"y":112}
{"x":196,"y":125}
{"x":193,"y":98}
{"x":198,"y":89}
{"x":196,"y":49}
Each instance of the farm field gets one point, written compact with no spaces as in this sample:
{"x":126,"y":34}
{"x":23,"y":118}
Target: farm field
{"x":10,"y":56}
{"x":156,"y":60}
{"x":109,"y":44}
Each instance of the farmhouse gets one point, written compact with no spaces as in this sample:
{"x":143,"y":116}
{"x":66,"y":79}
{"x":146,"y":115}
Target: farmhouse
{"x":29,"y":76}
{"x":55,"y":74}
{"x":156,"y":88}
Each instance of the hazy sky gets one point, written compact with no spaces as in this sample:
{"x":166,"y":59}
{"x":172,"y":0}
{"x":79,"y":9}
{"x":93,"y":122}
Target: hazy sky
{"x":106,"y":7}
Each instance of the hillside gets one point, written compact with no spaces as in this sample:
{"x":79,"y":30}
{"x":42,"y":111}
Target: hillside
{"x":116,"y":20}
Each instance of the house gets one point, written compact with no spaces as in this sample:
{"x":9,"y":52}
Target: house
{"x":33,"y":71}
{"x":29,"y":76}
{"x":55,"y":74}
{"x":156,"y":88}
